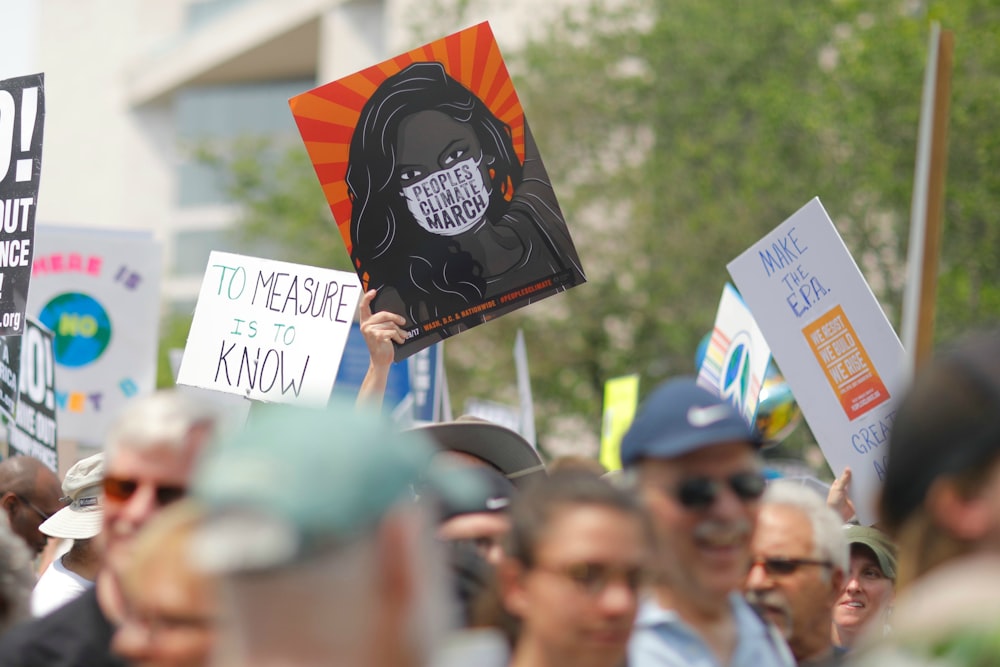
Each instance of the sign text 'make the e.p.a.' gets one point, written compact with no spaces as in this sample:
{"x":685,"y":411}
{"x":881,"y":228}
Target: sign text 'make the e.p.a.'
{"x":835,"y":346}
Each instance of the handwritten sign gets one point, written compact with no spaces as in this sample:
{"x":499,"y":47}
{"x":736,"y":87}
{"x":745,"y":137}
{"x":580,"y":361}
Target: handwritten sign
{"x":737,"y":356}
{"x":836,"y":349}
{"x":34,"y":431}
{"x":22,"y":111}
{"x":268,"y":330}
{"x":98,"y":291}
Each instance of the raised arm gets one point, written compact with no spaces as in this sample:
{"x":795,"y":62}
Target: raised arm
{"x":838,"y":498}
{"x":380,"y":330}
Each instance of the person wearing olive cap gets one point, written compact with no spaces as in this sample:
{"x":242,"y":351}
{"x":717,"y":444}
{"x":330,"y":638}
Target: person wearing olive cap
{"x":865,"y":602}
{"x":323,"y":554}
{"x":695,"y":464}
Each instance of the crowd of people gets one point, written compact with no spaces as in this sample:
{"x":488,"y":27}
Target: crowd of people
{"x":332,"y":537}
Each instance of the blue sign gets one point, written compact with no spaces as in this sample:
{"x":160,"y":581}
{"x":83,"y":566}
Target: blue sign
{"x":354,"y":366}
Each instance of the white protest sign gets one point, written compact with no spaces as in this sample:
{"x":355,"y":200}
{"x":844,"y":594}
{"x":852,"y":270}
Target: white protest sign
{"x":98,"y":291}
{"x":268,"y":330}
{"x":737,"y":356}
{"x":836,"y":349}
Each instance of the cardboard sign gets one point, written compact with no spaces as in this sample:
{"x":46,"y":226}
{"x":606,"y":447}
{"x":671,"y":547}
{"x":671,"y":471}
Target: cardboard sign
{"x":621,"y":398}
{"x":22,"y":114}
{"x":438,"y":188}
{"x":98,"y":291}
{"x":271,"y":331}
{"x":836,"y":349}
{"x":737,"y":356}
{"x":34,"y":431}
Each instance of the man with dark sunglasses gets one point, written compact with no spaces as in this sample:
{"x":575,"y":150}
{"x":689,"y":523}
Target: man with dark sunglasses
{"x":695,"y":465}
{"x":799,"y":560}
{"x":149,"y":458}
{"x":29,"y":494}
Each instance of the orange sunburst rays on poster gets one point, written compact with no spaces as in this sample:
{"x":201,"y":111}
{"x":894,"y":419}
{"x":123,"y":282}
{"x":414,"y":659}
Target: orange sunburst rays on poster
{"x":326,"y":116}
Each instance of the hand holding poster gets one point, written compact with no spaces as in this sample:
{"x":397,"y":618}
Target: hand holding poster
{"x":831,"y":338}
{"x":271,"y":331}
{"x":22,"y":111}
{"x":438,"y":188}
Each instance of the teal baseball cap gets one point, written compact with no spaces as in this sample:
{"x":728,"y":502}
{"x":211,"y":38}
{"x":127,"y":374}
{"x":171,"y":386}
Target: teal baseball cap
{"x":296,"y":481}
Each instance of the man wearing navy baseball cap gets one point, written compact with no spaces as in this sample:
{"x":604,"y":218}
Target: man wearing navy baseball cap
{"x":695,"y":465}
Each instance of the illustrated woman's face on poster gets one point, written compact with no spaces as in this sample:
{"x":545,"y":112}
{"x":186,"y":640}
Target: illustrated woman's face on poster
{"x":443,"y":174}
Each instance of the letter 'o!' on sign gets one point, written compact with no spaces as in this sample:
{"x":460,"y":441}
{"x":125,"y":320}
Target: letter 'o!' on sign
{"x":81,"y":326}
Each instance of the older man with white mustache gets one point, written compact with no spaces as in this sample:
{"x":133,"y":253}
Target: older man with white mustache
{"x":694,"y":461}
{"x":799,"y":562}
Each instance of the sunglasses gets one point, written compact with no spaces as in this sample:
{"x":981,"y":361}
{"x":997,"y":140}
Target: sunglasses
{"x":40,"y":512}
{"x":700,"y":493}
{"x":119,"y":489}
{"x":783,"y":567}
{"x":593,"y":578}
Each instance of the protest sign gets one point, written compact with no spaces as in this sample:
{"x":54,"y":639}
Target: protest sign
{"x":22,"y":114}
{"x":437,"y":187}
{"x":98,"y":291}
{"x":271,"y":331}
{"x":10,"y":368}
{"x":836,"y":349}
{"x":34,"y":432}
{"x":621,"y":397}
{"x":427,"y":383}
{"x":354,"y":366}
{"x":737,"y":356}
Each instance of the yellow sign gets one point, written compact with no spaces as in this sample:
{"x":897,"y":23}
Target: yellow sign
{"x":621,"y":396}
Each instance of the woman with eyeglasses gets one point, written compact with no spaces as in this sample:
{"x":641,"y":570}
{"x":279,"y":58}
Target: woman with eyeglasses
{"x":574,"y":563}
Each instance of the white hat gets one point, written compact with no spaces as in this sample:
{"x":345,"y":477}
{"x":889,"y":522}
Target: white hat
{"x":82,"y":518}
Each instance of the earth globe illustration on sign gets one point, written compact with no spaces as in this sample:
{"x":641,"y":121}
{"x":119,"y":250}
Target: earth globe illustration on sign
{"x":81,"y":328}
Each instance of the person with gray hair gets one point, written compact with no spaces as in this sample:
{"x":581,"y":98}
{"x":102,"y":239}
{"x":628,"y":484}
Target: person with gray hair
{"x":16,"y":578}
{"x":149,"y":455}
{"x":799,"y":560}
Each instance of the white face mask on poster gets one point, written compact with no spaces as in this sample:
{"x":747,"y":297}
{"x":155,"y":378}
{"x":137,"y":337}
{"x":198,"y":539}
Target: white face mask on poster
{"x":449,"y":201}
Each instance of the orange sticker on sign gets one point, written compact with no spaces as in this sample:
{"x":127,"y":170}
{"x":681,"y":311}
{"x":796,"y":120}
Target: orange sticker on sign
{"x":847,"y":365}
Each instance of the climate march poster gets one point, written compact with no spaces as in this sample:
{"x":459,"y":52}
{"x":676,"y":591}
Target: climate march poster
{"x":438,"y":188}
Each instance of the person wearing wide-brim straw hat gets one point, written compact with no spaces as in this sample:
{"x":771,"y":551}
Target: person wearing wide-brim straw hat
{"x":80,"y":521}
